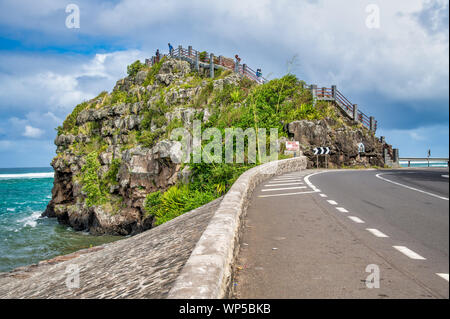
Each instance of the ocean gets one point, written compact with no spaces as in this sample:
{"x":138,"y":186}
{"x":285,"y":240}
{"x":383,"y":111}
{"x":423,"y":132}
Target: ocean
{"x":25,"y":237}
{"x":423,"y":164}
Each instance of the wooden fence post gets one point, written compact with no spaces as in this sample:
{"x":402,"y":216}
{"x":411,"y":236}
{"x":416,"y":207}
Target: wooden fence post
{"x":197,"y":64}
{"x":211,"y":66}
{"x":355,"y":112}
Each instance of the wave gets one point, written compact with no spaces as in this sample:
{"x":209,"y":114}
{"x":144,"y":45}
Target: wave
{"x":26,"y":175}
{"x":30,"y":220}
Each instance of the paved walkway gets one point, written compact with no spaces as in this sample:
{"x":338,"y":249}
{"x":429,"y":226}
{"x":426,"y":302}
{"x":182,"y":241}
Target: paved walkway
{"x":293,"y":246}
{"x":142,"y":266}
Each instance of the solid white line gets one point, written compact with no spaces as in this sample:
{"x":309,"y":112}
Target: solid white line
{"x":332,"y":202}
{"x":286,"y":194}
{"x":412,"y":188}
{"x":323,"y":195}
{"x":445,"y":276}
{"x":314,"y":188}
{"x":282,"y":189}
{"x":285,"y":184}
{"x":356,"y":219}
{"x":285,"y":179}
{"x":280,"y":182}
{"x":342,"y":209}
{"x":377,"y":233}
{"x":408,"y":252}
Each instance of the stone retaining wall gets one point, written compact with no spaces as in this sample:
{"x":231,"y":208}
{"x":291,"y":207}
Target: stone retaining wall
{"x":207,"y":273}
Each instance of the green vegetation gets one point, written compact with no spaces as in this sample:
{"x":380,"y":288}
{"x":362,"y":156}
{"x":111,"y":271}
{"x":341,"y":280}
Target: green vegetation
{"x":134,"y":68}
{"x":174,"y":202}
{"x":154,"y":70}
{"x":91,"y":182}
{"x":69,"y":123}
{"x":96,"y":188}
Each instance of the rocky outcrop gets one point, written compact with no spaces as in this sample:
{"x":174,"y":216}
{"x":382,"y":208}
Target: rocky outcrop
{"x":342,"y":140}
{"x":114,"y":150}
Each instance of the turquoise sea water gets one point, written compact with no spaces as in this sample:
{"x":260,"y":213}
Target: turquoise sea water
{"x":423,"y":164}
{"x":25,"y":238}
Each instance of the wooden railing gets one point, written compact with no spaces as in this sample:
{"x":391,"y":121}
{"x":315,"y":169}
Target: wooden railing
{"x":227,"y":63}
{"x":332,"y":94}
{"x":329,"y":94}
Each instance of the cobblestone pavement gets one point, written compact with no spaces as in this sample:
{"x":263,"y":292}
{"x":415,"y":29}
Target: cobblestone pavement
{"x":142,"y":266}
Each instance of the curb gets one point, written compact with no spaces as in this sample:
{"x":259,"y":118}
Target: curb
{"x":207,"y":272}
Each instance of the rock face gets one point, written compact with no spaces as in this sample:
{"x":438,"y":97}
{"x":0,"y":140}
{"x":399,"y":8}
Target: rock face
{"x":343,"y":143}
{"x":111,"y":131}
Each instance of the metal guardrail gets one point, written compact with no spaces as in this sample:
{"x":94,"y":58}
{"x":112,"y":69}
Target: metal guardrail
{"x":422,"y":160}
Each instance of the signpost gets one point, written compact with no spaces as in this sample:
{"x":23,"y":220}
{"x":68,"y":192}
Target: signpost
{"x":292,"y":146}
{"x":321,"y":151}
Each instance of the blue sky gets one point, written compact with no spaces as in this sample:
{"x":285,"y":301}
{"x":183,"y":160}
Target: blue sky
{"x":397,"y":72}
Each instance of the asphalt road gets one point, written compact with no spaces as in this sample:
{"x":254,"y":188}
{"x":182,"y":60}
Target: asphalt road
{"x":312,"y":236}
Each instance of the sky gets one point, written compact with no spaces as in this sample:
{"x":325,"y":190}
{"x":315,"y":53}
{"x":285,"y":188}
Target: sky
{"x":389,"y":57}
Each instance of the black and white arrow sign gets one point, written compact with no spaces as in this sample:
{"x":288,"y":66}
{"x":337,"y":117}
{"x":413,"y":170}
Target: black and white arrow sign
{"x":321,"y":150}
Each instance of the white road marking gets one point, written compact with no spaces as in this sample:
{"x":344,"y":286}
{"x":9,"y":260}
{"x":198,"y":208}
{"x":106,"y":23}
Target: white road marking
{"x":323,"y":195}
{"x":285,"y":179}
{"x":412,"y":188}
{"x":377,"y":233}
{"x":445,"y":276}
{"x":408,"y":252}
{"x":314,"y":188}
{"x":284,"y":184}
{"x":356,"y":219}
{"x":332,"y":202}
{"x":342,"y":209}
{"x":281,"y":189}
{"x":445,"y":176}
{"x":286,"y":194}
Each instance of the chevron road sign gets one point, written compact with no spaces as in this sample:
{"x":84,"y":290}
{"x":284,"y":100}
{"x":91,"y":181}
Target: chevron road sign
{"x":321,"y":150}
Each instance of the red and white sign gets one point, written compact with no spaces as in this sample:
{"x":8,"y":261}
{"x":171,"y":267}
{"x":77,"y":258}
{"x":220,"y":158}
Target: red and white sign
{"x":293,"y":146}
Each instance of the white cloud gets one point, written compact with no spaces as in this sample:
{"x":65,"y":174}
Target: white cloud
{"x":32,"y":132}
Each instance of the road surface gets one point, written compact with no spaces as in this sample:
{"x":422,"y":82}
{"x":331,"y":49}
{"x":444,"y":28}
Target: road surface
{"x":324,"y":234}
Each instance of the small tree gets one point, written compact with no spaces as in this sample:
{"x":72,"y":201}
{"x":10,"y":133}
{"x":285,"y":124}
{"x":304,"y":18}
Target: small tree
{"x":134,"y":68}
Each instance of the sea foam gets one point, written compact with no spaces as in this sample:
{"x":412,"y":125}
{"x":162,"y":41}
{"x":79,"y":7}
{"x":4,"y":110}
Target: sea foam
{"x":26,"y":175}
{"x":30,"y":220}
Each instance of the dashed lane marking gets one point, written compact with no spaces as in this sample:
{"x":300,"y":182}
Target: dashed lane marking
{"x":356,"y":219}
{"x":282,"y":189}
{"x":331,"y":202}
{"x":445,"y":276}
{"x":323,"y":195}
{"x":377,"y":233}
{"x":286,"y":194}
{"x":342,"y":209}
{"x":408,"y":252}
